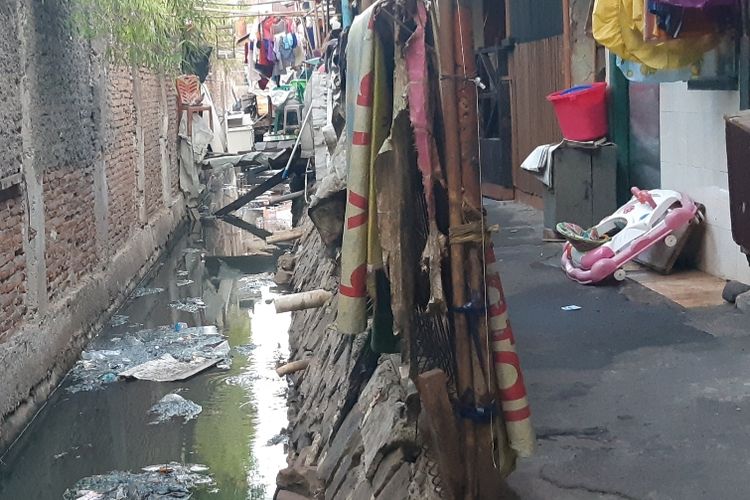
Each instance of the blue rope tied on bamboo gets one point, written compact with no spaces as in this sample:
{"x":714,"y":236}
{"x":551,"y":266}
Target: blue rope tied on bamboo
{"x":473,"y":313}
{"x":478,"y":414}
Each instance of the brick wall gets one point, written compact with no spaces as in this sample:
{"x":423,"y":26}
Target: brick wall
{"x":151,"y":114}
{"x":12,"y":257}
{"x":70,"y":227}
{"x":174,"y":170}
{"x":120,"y":157}
{"x":12,"y":264}
{"x":83,"y":163}
{"x":79,"y":116}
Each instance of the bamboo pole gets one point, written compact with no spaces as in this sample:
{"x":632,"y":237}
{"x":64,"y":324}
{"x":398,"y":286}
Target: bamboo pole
{"x":455,"y":202}
{"x":465,"y":67}
{"x":285,"y":236}
{"x":301,"y":301}
{"x":483,"y":367}
{"x":273,"y":200}
{"x":293,"y":367}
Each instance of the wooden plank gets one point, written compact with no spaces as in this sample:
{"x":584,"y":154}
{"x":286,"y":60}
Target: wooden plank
{"x":689,"y":289}
{"x":536,"y":72}
{"x":433,"y":393}
{"x":285,"y":236}
{"x":243,"y":224}
{"x":258,"y":190}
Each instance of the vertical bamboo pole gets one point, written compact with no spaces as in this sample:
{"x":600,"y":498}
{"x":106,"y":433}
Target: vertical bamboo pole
{"x":483,"y":369}
{"x":455,"y":202}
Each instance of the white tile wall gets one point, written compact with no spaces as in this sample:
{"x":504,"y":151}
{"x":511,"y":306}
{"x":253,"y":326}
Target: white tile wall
{"x":694,"y":161}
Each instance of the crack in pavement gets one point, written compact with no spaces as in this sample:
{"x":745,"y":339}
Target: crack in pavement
{"x":573,"y":487}
{"x":586,"y":433}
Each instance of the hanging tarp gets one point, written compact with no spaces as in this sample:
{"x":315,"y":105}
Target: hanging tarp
{"x":360,"y":57}
{"x":512,"y":390}
{"x":420,"y":113}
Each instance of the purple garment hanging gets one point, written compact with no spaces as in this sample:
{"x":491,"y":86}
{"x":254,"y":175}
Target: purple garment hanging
{"x":700,"y":4}
{"x":268,"y":47}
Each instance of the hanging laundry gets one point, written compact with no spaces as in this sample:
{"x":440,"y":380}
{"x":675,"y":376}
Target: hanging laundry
{"x":702,"y":4}
{"x":684,"y":20}
{"x":619,"y":25}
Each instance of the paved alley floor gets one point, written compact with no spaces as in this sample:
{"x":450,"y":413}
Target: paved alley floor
{"x":632,"y":396}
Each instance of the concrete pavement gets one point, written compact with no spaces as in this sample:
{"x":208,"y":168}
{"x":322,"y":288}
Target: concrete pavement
{"x":632,"y":397}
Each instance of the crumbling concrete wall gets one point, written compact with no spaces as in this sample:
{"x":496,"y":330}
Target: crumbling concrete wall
{"x":583,"y":46}
{"x":88,"y":195}
{"x":354,"y":425}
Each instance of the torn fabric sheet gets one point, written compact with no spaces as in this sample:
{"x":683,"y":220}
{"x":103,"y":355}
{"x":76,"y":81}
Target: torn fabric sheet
{"x":427,"y":156}
{"x":192,"y":150}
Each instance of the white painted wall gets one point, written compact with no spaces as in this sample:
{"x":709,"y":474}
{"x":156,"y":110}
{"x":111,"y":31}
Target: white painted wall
{"x":694,"y":161}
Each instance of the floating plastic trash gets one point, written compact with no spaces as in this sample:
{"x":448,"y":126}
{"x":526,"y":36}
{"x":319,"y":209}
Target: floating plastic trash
{"x":156,"y":482}
{"x":142,"y":291}
{"x":199,"y":344}
{"x":174,"y":406}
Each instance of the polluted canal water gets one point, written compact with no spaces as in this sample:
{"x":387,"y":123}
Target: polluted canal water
{"x":228,"y":419}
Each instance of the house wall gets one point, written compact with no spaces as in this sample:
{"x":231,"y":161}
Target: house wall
{"x":88,"y":196}
{"x":694,"y":161}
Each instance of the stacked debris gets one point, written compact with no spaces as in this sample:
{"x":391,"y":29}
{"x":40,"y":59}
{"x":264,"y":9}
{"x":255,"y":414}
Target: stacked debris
{"x":401,"y":206}
{"x":156,"y":482}
{"x":160,"y":354}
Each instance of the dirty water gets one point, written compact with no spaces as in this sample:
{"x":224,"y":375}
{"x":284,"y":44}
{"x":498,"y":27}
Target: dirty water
{"x":236,"y":409}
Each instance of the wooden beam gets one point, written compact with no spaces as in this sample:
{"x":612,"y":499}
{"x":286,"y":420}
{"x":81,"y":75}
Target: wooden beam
{"x":258,"y":190}
{"x":243,"y":224}
{"x":441,"y":421}
{"x":285,"y":236}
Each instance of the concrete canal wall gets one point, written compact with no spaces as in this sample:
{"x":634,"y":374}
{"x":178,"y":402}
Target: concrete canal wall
{"x":354,"y":421}
{"x":89,"y":195}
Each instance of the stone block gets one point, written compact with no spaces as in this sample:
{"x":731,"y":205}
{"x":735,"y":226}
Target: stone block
{"x":398,"y":486}
{"x":299,"y":479}
{"x":289,"y":495}
{"x":743,"y":302}
{"x":287,"y":262}
{"x":732,"y":289}
{"x":346,"y":441}
{"x":387,"y":468}
{"x":282,"y":277}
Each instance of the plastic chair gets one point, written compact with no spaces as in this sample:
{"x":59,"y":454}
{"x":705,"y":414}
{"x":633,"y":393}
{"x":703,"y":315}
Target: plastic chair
{"x":190,"y":99}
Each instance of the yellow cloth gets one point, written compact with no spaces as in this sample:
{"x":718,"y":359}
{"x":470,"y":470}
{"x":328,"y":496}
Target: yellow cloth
{"x":619,"y":26}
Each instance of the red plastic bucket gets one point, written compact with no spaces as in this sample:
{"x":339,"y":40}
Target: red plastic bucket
{"x":582,"y":111}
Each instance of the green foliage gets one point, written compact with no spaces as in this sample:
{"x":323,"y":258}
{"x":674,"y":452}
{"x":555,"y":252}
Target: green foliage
{"x":150,"y":33}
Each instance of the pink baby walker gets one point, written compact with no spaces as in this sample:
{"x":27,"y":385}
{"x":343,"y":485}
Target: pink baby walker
{"x":592,"y":255}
